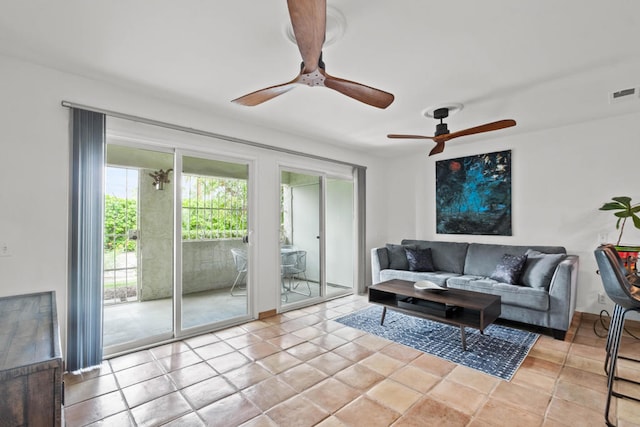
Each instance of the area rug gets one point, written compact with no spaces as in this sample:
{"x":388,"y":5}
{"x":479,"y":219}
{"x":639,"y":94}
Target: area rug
{"x":499,"y":352}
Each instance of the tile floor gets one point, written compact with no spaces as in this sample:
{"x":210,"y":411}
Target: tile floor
{"x":301,"y":368}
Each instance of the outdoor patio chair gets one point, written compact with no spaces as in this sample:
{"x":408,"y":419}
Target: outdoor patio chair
{"x":294,"y":267}
{"x":240,"y":260}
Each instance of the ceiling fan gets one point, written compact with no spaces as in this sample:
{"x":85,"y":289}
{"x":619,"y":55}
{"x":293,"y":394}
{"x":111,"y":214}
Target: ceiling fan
{"x":308,"y":18}
{"x":442,"y":131}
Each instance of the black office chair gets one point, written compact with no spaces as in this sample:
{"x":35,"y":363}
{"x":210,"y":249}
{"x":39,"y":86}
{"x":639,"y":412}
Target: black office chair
{"x":626,"y":298}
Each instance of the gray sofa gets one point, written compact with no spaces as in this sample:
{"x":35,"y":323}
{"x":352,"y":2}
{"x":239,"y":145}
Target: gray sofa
{"x":542,"y":293}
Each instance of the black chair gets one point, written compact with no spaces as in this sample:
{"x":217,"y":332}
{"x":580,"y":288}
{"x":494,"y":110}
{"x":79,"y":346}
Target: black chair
{"x":626,"y":298}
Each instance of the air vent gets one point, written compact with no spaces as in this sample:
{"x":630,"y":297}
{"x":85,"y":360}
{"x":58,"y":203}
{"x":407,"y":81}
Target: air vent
{"x":624,"y":95}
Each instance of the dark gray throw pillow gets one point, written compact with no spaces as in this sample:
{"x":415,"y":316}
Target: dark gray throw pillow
{"x":539,"y":268}
{"x":419,"y":259}
{"x":397,"y":257}
{"x":509,"y":269}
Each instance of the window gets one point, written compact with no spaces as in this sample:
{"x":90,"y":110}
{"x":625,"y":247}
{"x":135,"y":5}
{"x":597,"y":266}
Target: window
{"x":213,"y":208}
{"x":120,"y":271}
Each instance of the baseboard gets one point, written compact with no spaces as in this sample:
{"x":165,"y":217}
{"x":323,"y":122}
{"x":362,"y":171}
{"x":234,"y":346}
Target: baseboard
{"x":268,"y":313}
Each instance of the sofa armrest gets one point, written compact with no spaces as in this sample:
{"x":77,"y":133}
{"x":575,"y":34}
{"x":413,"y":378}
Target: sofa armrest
{"x":379,"y":261}
{"x":562,"y":293}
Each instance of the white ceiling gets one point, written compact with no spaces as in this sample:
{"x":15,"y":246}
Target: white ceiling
{"x":544,"y":63}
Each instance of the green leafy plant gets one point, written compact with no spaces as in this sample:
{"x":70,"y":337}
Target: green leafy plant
{"x":120,"y":215}
{"x":624,"y":210}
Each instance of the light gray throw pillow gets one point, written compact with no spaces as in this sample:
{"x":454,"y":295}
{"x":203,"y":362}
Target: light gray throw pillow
{"x":539,"y":268}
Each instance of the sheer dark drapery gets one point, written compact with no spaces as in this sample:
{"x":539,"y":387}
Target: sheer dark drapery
{"x":84,"y":320}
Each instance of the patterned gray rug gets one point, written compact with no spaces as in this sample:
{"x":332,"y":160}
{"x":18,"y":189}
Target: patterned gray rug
{"x":499,"y":352}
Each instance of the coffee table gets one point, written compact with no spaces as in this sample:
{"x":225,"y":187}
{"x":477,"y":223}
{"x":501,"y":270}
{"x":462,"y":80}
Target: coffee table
{"x":455,"y":307}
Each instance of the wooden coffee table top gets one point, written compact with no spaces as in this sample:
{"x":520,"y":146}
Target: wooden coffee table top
{"x":478,"y":310}
{"x":457,"y":297}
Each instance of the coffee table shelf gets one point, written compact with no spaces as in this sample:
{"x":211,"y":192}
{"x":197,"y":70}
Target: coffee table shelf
{"x":455,"y":307}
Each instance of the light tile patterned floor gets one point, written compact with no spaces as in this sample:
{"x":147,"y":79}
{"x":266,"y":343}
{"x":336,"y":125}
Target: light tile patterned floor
{"x":303,"y":369}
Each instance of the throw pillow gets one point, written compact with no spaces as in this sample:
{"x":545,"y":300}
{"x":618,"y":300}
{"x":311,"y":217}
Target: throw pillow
{"x":397,"y":256}
{"x":419,"y":259}
{"x":539,"y":268}
{"x":509,"y":269}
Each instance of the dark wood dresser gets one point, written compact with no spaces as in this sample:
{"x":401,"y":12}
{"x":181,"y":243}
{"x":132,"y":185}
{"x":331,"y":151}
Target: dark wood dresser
{"x":30,"y":361}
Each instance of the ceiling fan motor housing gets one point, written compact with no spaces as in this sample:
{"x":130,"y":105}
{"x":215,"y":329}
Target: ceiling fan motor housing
{"x":440,"y":114}
{"x":441,"y":129}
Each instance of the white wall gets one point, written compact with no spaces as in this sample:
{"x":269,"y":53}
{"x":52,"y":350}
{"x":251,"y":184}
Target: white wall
{"x":34,"y":165}
{"x":560,"y":178}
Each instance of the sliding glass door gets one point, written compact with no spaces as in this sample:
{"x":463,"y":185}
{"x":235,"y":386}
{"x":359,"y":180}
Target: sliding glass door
{"x":317,"y":236}
{"x":178,"y":249}
{"x":340,"y":235}
{"x":300,"y":236}
{"x":138,"y":248}
{"x":214,"y":233}
{"x":155,"y":290}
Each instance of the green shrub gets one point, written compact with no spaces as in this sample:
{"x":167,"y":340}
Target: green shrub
{"x":120,"y":216}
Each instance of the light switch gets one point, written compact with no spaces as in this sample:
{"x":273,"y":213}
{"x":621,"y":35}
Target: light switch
{"x":4,"y":249}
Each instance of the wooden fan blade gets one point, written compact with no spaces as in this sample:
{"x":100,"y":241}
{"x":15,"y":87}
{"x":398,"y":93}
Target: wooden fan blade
{"x":500,"y":124}
{"x":394,"y":135}
{"x":308,"y":18}
{"x":369,"y":95}
{"x":259,"y":96}
{"x":439,"y":148}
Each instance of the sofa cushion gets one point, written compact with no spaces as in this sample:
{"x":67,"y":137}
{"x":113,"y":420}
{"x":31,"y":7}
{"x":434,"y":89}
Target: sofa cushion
{"x":462,"y":281}
{"x":509,"y":269}
{"x":514,"y":295}
{"x":539,"y":269}
{"x":419,"y":259}
{"x":397,"y":256}
{"x":482,"y":257}
{"x":447,"y":256}
{"x":438,"y":277}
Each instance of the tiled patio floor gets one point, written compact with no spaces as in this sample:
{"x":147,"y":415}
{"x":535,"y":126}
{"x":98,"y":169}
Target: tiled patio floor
{"x":302,"y":369}
{"x":132,"y":321}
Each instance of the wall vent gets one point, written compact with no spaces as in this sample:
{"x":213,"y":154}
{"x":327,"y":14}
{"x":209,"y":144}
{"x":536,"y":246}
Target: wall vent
{"x":624,"y":95}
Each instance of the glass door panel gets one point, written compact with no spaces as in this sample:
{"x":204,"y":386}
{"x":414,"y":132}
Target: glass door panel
{"x":301,"y":276}
{"x":138,"y":249}
{"x":339,"y":236}
{"x":215,"y":256}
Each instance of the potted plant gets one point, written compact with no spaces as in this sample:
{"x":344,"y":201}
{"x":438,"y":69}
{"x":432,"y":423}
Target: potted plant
{"x":623,"y":210}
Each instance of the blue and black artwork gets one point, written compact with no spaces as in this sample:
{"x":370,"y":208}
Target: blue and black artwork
{"x":473,"y":194}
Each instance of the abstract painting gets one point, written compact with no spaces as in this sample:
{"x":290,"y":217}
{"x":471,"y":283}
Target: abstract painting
{"x":473,"y":195}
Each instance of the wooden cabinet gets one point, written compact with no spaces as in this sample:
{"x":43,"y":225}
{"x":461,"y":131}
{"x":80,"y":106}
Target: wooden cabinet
{"x":30,"y":361}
